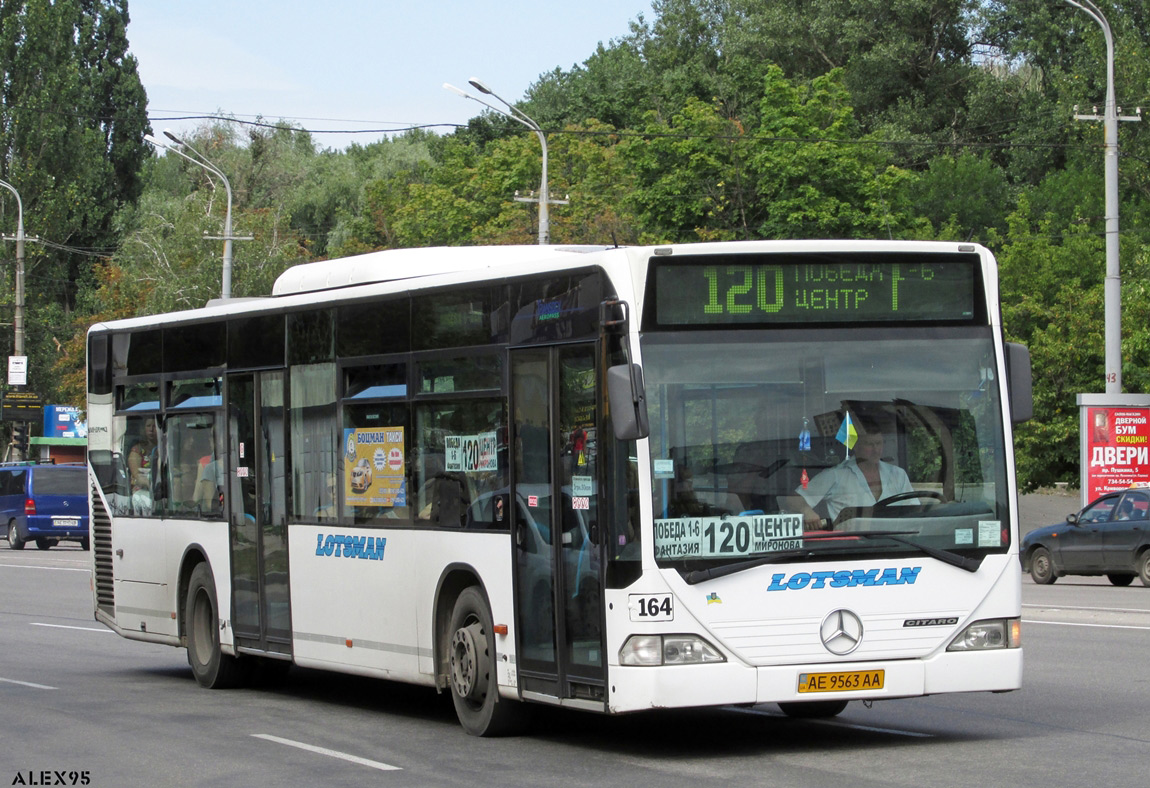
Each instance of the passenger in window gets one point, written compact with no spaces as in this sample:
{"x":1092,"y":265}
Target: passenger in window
{"x":208,"y":497}
{"x":141,"y":462}
{"x":1129,"y":511}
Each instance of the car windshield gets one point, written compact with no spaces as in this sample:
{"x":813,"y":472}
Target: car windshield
{"x":760,"y":438}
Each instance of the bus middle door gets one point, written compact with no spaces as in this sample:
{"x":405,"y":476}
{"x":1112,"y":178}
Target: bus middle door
{"x":261,"y":610}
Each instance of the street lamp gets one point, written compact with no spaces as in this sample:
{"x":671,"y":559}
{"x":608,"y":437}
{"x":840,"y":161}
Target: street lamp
{"x":1113,"y":287}
{"x":519,"y":116}
{"x":203,"y":162}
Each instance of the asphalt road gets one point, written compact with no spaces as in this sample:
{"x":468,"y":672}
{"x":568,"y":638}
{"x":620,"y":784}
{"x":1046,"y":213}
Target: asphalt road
{"x":77,"y":702}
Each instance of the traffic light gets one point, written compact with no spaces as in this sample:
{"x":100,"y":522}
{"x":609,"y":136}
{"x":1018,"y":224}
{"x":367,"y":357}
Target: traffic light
{"x":20,"y":438}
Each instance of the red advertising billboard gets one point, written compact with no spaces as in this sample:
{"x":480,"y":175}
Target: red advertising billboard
{"x":1117,"y":443}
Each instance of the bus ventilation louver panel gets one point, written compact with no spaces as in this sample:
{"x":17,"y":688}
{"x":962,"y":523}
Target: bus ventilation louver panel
{"x":102,"y":552}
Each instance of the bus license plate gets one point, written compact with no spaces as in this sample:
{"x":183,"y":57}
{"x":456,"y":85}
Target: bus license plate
{"x":841,"y":682}
{"x":65,"y":522}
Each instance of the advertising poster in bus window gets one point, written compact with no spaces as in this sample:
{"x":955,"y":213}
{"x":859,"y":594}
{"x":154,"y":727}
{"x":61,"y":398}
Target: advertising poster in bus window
{"x":374,"y":467}
{"x":471,"y":453}
{"x":1117,"y":449}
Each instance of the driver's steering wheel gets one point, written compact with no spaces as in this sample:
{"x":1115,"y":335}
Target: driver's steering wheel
{"x":905,"y":496}
{"x":850,"y":512}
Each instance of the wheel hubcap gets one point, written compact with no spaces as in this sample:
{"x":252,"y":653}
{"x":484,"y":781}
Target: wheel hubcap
{"x":468,"y":662}
{"x":202,"y":633}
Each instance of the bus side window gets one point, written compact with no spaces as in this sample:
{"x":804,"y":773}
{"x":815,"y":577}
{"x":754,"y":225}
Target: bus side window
{"x":461,"y":474}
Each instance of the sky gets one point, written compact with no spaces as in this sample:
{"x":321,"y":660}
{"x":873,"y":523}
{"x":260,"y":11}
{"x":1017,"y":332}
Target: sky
{"x":356,"y":64}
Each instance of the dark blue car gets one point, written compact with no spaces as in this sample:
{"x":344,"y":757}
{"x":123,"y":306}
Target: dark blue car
{"x":45,"y":504}
{"x":1109,"y":537}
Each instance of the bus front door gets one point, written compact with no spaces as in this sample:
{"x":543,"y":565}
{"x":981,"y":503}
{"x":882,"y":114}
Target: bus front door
{"x":261,"y":609}
{"x":558,"y":584}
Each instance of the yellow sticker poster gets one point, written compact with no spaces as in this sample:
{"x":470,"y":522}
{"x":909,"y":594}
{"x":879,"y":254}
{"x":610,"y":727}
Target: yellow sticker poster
{"x":374,"y":467}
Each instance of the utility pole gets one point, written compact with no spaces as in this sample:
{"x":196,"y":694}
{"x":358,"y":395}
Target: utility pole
{"x":1113,"y":287}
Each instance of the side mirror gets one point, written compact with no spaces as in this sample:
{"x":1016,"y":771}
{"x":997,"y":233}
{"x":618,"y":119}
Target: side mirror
{"x":1018,"y":382}
{"x":628,"y":401}
{"x":1072,"y":518}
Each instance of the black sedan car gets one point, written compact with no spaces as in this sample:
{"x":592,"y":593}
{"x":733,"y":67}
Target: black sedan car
{"x":1109,"y":537}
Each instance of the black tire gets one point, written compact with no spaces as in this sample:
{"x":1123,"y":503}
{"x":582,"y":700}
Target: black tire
{"x":1144,"y":568}
{"x":472,"y":670}
{"x":212,"y":668}
{"x":813,"y":710}
{"x":86,"y":544}
{"x":1042,"y":567}
{"x":14,"y":540}
{"x":1120,"y":580}
{"x":44,"y":544}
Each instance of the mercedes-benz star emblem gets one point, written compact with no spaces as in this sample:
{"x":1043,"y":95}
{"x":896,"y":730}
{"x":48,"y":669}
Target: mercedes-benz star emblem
{"x":841,"y":632}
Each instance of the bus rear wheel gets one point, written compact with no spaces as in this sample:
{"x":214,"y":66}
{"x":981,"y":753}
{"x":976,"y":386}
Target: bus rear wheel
{"x":472,"y":669}
{"x":813,"y":710}
{"x":211,"y":667}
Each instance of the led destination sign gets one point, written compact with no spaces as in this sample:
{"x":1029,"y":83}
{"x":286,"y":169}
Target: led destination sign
{"x":815,"y":289}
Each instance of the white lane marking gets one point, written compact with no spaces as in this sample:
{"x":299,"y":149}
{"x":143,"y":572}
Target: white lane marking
{"x":838,"y":723}
{"x":872,"y":728}
{"x":385,"y":767}
{"x":1074,"y":624}
{"x":1098,"y":609}
{"x":64,"y":626}
{"x":27,"y":684}
{"x":38,"y":566}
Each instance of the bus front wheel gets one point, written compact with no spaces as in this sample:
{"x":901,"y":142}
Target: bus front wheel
{"x":471,"y":662}
{"x":212,"y":668}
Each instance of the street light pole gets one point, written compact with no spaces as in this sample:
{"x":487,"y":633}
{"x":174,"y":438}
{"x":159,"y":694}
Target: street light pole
{"x":519,"y":116}
{"x":1113,"y":286}
{"x":16,"y":448}
{"x":18,"y":312}
{"x":204,"y":163}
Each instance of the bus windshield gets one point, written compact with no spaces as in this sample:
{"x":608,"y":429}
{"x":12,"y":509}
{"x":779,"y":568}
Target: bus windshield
{"x":778,"y":445}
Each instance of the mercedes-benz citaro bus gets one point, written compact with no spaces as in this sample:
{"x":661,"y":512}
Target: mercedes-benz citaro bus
{"x":609,"y":479}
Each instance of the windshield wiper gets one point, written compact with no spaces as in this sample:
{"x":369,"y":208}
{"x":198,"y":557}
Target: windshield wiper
{"x":699,"y":575}
{"x":946,"y":556}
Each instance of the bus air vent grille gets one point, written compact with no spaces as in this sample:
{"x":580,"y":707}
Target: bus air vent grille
{"x":102,"y":553}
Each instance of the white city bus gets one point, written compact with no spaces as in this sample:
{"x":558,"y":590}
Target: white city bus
{"x":585,"y":477}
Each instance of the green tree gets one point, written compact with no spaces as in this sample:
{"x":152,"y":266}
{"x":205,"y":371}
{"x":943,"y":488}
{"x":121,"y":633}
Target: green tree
{"x":72,"y":120}
{"x":817,"y":177}
{"x":692,"y":177}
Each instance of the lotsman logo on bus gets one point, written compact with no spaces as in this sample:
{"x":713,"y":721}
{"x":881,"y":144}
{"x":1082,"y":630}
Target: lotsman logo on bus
{"x":340,"y":546}
{"x":844,"y":578}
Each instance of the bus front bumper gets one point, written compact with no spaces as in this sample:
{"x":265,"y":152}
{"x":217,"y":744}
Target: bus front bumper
{"x":729,"y":683}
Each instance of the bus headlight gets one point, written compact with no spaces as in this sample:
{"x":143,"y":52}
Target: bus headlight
{"x":668,"y":650}
{"x":992,"y":634}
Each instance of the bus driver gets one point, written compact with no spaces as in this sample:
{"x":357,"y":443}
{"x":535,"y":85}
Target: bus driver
{"x":861,"y":480}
